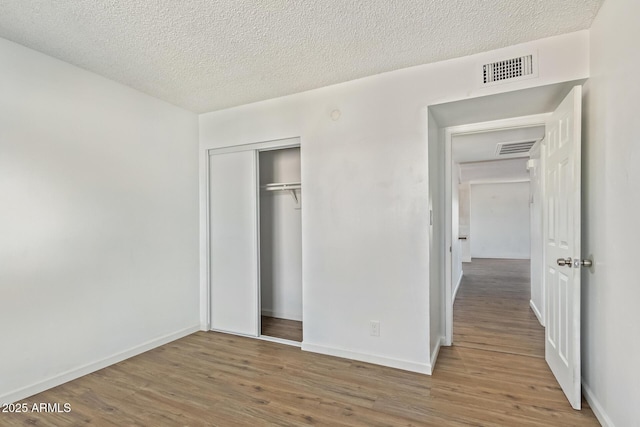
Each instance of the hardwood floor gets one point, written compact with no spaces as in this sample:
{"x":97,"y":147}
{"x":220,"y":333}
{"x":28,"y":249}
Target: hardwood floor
{"x":214,"y":379}
{"x":492,"y":312}
{"x":282,"y":328}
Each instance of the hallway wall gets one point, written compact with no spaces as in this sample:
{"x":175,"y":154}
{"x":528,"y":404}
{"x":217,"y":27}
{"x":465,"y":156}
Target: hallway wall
{"x":500,"y":220}
{"x":464,"y":227}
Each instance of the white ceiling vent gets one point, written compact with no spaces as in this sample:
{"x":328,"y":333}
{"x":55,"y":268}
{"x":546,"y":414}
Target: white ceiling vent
{"x":508,"y":70}
{"x":504,"y":149}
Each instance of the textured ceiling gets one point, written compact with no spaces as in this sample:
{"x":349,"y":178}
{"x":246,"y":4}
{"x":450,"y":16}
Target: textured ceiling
{"x":206,"y":55}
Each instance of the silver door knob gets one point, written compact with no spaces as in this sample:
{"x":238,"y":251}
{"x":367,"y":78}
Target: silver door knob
{"x":586,"y":263}
{"x":564,"y":262}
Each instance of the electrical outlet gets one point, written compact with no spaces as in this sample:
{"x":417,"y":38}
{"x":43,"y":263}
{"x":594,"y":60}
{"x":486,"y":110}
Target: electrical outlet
{"x":375,"y":328}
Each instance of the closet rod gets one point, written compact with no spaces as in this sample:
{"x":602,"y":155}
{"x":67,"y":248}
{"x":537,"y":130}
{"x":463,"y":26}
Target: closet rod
{"x":291,"y":187}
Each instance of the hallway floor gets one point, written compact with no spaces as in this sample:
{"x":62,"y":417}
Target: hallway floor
{"x":498,"y":344}
{"x":492,"y":312}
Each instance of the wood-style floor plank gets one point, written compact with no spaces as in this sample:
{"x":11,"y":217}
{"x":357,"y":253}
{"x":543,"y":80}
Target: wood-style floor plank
{"x":498,"y":378}
{"x":282,"y":328}
{"x":492,"y":310}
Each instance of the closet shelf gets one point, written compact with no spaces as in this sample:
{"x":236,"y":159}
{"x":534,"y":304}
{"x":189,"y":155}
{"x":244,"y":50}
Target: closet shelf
{"x":282,"y":186}
{"x":285,"y":186}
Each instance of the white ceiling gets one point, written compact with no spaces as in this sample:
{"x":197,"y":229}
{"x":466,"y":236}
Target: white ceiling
{"x":494,"y":171}
{"x":206,"y":55}
{"x":481,"y":146}
{"x":476,"y":154}
{"x":539,"y":100}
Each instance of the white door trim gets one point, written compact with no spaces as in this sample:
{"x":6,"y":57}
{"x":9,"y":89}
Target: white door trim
{"x":205,"y":283}
{"x":450,"y":132}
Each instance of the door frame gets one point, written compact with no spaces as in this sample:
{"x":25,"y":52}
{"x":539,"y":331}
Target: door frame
{"x":205,"y":286}
{"x":540,"y":311}
{"x":449,"y":133}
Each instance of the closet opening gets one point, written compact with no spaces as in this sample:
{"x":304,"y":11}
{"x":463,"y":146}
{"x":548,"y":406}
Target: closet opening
{"x":280,"y":242}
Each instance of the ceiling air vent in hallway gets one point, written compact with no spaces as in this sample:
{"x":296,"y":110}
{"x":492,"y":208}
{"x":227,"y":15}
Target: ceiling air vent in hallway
{"x":504,"y":149}
{"x":509,"y":70}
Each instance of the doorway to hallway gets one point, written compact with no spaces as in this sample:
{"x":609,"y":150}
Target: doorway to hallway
{"x":560,"y":206}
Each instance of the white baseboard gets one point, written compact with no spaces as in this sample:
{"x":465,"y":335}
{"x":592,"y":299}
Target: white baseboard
{"x":435,"y":352}
{"x":455,"y":289}
{"x":281,"y":315}
{"x":422,"y":368}
{"x":72,"y":374}
{"x":536,"y":312}
{"x":596,"y":407}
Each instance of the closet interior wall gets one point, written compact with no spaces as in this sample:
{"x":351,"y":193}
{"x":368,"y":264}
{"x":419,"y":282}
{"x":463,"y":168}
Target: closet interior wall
{"x":280,"y":239}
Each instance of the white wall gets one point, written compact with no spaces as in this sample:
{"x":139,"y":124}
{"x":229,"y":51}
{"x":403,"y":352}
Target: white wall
{"x":456,"y":243}
{"x":611,"y":208}
{"x":500,"y":220}
{"x":98,"y":221}
{"x":365,"y":220}
{"x":280,"y":237}
{"x":482,"y":172}
{"x":464,"y":211}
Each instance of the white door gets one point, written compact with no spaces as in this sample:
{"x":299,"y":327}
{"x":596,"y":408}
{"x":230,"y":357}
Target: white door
{"x":562,"y":242}
{"x":233,"y":235}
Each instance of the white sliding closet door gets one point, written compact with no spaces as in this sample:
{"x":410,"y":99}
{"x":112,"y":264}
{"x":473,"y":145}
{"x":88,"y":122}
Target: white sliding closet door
{"x":233,"y":242}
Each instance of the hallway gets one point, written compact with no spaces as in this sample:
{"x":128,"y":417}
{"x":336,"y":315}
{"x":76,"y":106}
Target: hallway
{"x":491,"y":310}
{"x":498,"y":349}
